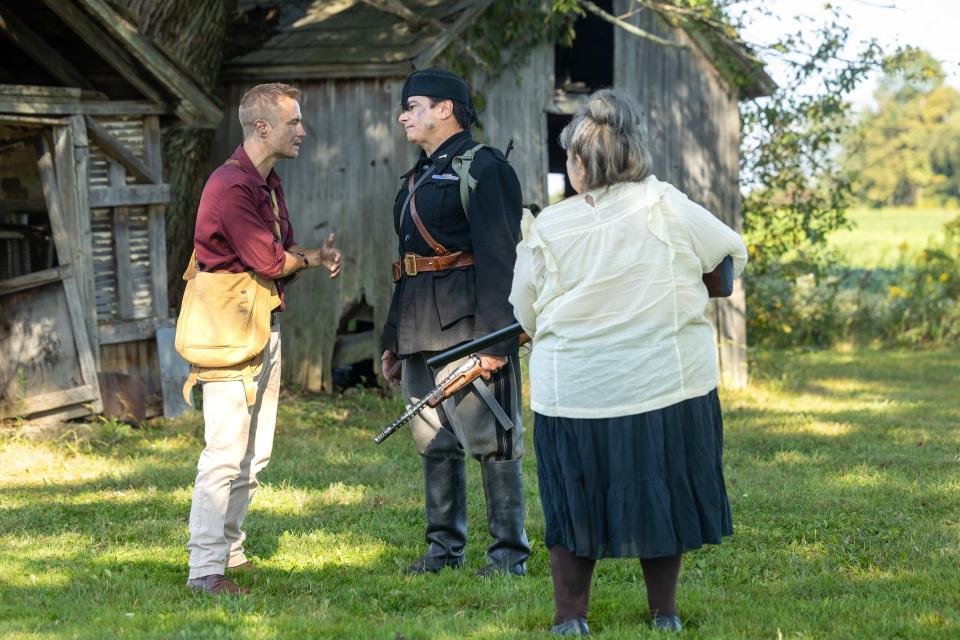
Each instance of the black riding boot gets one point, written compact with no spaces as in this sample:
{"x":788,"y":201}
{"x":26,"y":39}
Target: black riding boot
{"x":503,"y":488}
{"x":445,"y":490}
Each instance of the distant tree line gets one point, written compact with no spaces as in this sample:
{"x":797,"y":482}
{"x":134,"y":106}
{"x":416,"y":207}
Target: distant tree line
{"x":906,"y":150}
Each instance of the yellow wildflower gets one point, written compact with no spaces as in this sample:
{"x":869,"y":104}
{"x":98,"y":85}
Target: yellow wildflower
{"x":897,"y":292}
{"x":944,"y":277}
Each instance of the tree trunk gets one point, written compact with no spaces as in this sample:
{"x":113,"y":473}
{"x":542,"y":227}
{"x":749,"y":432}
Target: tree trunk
{"x":193,"y":33}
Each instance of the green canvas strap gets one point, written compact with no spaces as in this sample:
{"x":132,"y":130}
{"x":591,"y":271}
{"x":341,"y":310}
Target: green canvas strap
{"x":461,"y":166}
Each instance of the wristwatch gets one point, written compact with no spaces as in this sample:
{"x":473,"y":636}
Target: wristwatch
{"x":306,"y":263}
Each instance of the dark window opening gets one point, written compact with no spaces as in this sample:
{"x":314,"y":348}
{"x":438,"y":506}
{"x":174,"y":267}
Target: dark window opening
{"x":557,"y":183}
{"x":352,"y":364}
{"x":587,"y":64}
{"x":26,"y":240}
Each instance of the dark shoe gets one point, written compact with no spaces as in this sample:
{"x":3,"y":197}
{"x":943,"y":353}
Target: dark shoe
{"x":428,"y":563}
{"x":503,"y":490}
{"x":216,"y":585}
{"x":445,"y":506}
{"x":574,"y":627}
{"x":519,"y":569}
{"x":246,"y":566}
{"x":667,"y":623}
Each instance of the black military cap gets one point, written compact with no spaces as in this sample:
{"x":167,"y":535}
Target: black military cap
{"x":436,"y":83}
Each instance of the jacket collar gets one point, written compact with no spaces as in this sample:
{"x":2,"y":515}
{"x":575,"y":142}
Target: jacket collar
{"x":443,"y":155}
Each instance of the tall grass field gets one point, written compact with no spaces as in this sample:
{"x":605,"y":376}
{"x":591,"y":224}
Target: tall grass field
{"x":888,"y":237}
{"x":843,"y":469}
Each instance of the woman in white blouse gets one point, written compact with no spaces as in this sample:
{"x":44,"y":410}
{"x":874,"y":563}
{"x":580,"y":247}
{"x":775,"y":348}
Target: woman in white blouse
{"x":623,"y":373}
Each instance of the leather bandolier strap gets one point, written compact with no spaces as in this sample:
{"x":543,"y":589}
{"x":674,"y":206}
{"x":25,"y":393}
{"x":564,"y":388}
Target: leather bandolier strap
{"x":411,"y":264}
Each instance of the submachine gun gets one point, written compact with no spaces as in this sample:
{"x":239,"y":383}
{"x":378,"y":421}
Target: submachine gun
{"x":457,"y":379}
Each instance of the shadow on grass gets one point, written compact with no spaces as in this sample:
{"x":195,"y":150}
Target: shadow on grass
{"x":148,"y":598}
{"x":840,"y":506}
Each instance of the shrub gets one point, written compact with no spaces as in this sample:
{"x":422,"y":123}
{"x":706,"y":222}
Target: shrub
{"x":818,"y":302}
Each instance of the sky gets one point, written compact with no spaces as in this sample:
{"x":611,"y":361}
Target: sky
{"x":930,"y":24}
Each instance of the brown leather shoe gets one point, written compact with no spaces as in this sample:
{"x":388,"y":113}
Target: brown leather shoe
{"x":245,"y":566}
{"x":215,"y":585}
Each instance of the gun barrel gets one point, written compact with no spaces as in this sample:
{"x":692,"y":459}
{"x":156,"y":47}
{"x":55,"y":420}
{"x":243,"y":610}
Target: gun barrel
{"x":461,"y":351}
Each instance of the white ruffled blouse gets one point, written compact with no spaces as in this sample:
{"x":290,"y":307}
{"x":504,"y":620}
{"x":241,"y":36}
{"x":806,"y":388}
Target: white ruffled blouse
{"x":609,"y":285}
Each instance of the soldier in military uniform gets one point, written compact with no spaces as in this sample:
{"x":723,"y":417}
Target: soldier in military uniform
{"x":457,"y":217}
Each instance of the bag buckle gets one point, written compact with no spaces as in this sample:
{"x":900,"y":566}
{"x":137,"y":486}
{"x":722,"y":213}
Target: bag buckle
{"x":410,"y":264}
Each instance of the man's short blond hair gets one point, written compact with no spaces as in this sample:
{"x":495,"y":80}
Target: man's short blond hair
{"x":262,"y":102}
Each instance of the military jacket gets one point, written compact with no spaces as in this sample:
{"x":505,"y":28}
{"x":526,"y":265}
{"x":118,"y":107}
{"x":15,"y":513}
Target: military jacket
{"x":436,"y":310}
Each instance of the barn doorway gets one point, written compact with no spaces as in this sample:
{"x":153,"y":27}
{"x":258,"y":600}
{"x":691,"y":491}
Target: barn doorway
{"x":587,"y":65}
{"x":558,"y":186}
{"x":352,"y":364}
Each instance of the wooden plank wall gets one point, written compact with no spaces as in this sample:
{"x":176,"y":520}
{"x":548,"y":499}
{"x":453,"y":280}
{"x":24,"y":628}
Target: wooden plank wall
{"x":345,"y":181}
{"x":693,"y":123}
{"x":42,"y":369}
{"x":515,"y":104}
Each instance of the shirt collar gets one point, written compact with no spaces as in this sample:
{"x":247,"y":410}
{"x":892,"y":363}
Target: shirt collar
{"x":240,"y":155}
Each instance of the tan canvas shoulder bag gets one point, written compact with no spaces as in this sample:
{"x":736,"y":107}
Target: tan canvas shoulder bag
{"x":225,"y":317}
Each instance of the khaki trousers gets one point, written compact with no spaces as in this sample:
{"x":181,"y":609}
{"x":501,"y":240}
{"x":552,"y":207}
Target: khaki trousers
{"x":238,"y":440}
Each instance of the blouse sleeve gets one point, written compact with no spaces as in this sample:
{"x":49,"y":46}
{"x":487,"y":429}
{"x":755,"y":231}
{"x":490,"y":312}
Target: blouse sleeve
{"x":711,"y":239}
{"x":523,"y":292}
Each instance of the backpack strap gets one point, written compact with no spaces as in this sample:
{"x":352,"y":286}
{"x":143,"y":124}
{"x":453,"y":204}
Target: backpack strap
{"x":461,"y":166}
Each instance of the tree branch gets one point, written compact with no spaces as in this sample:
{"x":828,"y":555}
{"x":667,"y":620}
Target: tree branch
{"x":402,"y":11}
{"x":629,"y":28}
{"x":408,"y":15}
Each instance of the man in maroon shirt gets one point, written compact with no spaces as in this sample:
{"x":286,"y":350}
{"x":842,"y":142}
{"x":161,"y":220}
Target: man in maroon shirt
{"x":243,"y":225}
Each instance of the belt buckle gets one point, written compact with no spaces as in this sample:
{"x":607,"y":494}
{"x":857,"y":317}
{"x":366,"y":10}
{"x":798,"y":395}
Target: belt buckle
{"x":410,"y":264}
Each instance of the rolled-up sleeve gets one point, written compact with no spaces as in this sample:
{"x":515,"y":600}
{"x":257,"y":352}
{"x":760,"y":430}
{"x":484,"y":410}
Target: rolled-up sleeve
{"x":249,"y":235}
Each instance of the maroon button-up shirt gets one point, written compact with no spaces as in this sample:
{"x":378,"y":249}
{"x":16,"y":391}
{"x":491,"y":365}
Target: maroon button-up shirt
{"x":235,"y":222}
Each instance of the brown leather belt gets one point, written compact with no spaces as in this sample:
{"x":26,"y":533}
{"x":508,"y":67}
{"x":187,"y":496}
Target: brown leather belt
{"x":412,"y":264}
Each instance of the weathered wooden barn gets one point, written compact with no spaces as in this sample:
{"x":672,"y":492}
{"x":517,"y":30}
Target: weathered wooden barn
{"x":350,"y":58}
{"x":82,"y":245}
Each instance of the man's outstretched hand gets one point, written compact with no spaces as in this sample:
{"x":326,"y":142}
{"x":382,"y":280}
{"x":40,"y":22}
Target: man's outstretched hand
{"x":327,"y":256}
{"x":330,"y":257}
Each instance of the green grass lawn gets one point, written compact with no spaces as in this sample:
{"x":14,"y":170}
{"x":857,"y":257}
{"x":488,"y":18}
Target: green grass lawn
{"x":843,"y":469}
{"x":884,"y":237}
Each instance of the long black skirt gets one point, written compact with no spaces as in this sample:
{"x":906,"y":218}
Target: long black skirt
{"x":641,"y":486}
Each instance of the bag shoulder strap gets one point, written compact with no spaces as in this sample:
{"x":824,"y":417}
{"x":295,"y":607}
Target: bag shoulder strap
{"x":191,"y":267}
{"x":461,"y":166}
{"x":273,"y":203}
{"x":438,"y":248}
